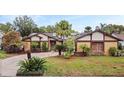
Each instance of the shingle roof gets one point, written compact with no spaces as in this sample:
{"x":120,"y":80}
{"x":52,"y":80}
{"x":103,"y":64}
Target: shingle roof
{"x":47,"y":34}
{"x":82,"y":35}
{"x":120,"y":36}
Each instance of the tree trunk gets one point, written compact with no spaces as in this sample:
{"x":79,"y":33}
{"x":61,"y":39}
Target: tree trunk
{"x":59,"y":52}
{"x":28,"y":55}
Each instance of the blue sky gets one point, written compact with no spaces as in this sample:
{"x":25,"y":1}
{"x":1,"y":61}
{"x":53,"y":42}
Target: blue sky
{"x":78,"y":21}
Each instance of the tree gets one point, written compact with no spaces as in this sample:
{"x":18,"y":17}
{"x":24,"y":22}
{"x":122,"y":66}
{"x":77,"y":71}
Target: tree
{"x":112,"y":28}
{"x":25,"y":25}
{"x":88,"y":29}
{"x":50,"y":28}
{"x":63,"y":28}
{"x":102,"y":26}
{"x":12,"y":42}
{"x":59,"y":48}
{"x":6,"y":27}
{"x":11,"y":38}
{"x":42,"y":29}
{"x":36,"y":30}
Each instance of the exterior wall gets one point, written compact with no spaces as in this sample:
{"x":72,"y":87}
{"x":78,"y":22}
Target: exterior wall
{"x":58,"y":43}
{"x":44,"y":37}
{"x":27,"y":46}
{"x":35,"y":38}
{"x":97,"y":36}
{"x":82,"y":43}
{"x":107,"y":45}
{"x":49,"y":46}
{"x":109,"y":38}
{"x":85,"y":38}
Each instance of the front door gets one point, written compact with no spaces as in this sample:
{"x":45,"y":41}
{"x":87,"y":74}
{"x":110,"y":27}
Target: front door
{"x":97,"y":48}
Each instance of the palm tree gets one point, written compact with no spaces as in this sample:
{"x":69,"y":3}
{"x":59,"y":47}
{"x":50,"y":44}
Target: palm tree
{"x":63,"y":28}
{"x":102,"y":26}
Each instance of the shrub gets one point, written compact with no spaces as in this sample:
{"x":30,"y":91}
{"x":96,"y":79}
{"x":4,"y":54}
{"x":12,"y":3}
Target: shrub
{"x":119,"y":53}
{"x":112,"y":51}
{"x":35,"y":65}
{"x":59,"y":48}
{"x":44,"y":46}
{"x":69,"y":44}
{"x":34,"y":45}
{"x":69,"y":47}
{"x":85,"y":49}
{"x":67,"y":55}
{"x":13,"y":49}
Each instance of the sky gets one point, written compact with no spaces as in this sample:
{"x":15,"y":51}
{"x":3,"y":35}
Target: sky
{"x":79,"y":22}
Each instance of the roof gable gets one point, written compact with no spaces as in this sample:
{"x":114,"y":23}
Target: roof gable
{"x":90,"y":33}
{"x":40,"y":35}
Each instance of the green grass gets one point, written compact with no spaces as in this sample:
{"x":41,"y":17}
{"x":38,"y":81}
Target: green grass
{"x":2,"y":54}
{"x":85,"y":66}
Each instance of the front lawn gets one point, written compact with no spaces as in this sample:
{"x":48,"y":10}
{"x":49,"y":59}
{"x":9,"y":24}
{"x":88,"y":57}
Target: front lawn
{"x":85,"y":66}
{"x":2,"y":54}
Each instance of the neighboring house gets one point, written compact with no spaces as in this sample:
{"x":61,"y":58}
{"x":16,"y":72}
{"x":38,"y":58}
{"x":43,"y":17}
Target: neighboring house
{"x":120,"y":36}
{"x":98,"y":41}
{"x":1,"y":35}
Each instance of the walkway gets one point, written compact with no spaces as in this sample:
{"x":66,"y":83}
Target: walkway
{"x":9,"y":66}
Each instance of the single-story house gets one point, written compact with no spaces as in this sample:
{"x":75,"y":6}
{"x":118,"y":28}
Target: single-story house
{"x":38,"y":38}
{"x":98,"y":41}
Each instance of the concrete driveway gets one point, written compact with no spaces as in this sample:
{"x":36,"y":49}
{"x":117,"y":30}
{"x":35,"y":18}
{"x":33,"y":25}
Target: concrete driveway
{"x":9,"y":66}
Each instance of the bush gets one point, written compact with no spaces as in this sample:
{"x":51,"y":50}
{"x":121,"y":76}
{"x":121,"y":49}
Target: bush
{"x":85,"y":49}
{"x":34,"y":45}
{"x":33,"y":66}
{"x":44,"y":46}
{"x":13,"y":49}
{"x":67,"y":55}
{"x":112,"y":51}
{"x":119,"y":53}
{"x":69,"y":47}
